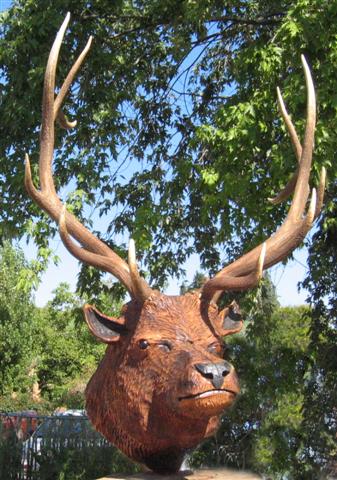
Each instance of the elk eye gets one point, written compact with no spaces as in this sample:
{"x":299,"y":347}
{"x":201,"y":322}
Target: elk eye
{"x":143,"y":344}
{"x":216,"y":349}
{"x":165,"y":346}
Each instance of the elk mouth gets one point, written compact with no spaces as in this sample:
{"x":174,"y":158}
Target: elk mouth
{"x":209,"y":403}
{"x":208,"y":393}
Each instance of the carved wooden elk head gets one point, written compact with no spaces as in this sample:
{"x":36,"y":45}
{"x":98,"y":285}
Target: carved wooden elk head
{"x":163,"y":383}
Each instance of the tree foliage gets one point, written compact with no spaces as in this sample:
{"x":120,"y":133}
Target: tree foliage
{"x":264,"y":431}
{"x":49,"y":347}
{"x":68,"y":353}
{"x":321,"y":380}
{"x":178,"y":132}
{"x":17,"y":325}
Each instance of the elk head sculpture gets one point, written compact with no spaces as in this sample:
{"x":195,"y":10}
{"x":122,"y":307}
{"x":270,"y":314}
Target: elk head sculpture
{"x":163,"y":383}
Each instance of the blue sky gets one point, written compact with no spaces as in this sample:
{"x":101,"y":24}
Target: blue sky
{"x":4,"y":4}
{"x":285,"y":278}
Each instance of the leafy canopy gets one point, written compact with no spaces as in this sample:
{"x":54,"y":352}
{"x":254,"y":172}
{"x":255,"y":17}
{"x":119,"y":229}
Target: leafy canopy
{"x":179,"y":141}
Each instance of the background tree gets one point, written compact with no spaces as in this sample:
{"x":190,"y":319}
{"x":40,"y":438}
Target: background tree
{"x":17,"y":324}
{"x":320,"y":412}
{"x":264,"y":432}
{"x":179,"y":138}
{"x":50,"y":347}
{"x":67,"y":352}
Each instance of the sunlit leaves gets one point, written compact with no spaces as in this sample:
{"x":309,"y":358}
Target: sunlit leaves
{"x":264,"y":430}
{"x":17,"y":323}
{"x":162,"y":85}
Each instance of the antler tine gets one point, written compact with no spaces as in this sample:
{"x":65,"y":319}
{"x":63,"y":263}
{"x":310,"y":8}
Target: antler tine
{"x":67,"y":83}
{"x":290,"y":126}
{"x":224,"y":282}
{"x":290,"y":187}
{"x":294,"y":228}
{"x":140,"y":289}
{"x":100,"y":261}
{"x":47,"y":129}
{"x":321,"y":189}
{"x":63,"y":121}
{"x":302,"y":187}
{"x":95,"y":252}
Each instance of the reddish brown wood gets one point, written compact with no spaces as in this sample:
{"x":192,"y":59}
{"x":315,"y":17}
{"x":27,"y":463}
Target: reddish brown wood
{"x":163,"y":384}
{"x":209,"y":474}
{"x":147,"y":396}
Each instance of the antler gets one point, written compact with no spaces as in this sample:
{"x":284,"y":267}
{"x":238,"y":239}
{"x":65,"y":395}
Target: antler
{"x":92,"y":251}
{"x":245,"y":272}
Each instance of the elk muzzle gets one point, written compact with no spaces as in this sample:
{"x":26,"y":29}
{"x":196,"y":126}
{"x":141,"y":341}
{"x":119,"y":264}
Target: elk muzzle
{"x":216,"y":389}
{"x":215,"y":372}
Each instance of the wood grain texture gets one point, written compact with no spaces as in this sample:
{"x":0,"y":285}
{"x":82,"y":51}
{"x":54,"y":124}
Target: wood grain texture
{"x":163,"y":383}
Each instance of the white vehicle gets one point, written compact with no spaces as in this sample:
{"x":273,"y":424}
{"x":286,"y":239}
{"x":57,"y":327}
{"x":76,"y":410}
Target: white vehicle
{"x":66,"y":430}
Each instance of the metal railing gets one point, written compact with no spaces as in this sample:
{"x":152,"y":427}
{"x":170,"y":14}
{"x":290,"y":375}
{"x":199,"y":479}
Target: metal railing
{"x":34,"y":447}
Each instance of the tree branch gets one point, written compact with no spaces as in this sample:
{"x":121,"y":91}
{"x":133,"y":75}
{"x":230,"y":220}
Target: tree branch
{"x":249,"y":21}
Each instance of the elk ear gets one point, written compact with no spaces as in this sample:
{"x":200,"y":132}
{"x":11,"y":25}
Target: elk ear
{"x":231,"y":319}
{"x":106,"y":329}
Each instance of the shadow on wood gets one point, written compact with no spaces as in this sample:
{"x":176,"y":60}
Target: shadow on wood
{"x":209,"y":474}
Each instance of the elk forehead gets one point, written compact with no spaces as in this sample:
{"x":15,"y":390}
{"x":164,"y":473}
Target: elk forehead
{"x":183,"y":318}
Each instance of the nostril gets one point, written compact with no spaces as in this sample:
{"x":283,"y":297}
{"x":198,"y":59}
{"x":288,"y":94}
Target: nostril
{"x":214,"y":372}
{"x":202,"y":368}
{"x":205,"y":369}
{"x":226,"y":368}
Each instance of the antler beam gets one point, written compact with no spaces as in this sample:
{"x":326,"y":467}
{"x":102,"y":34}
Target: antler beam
{"x":92,"y":251}
{"x":238,"y":274}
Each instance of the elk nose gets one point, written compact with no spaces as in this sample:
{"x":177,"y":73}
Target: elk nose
{"x":215,"y":372}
